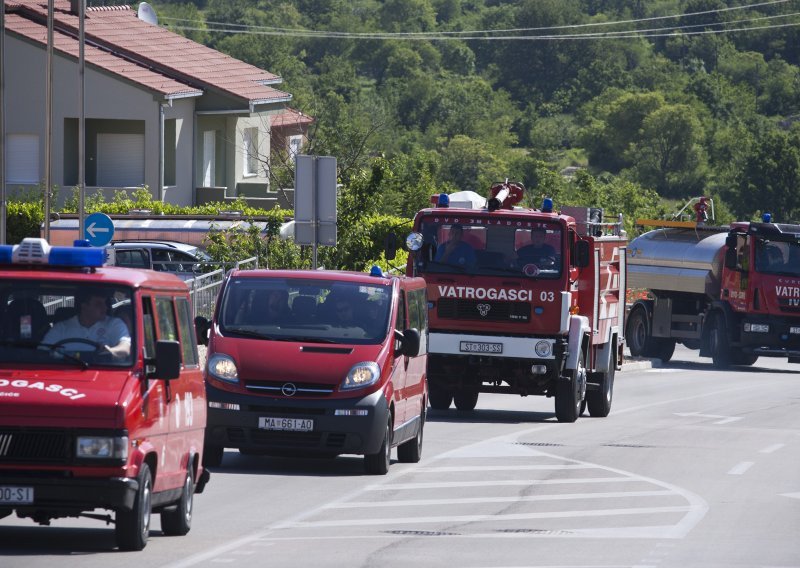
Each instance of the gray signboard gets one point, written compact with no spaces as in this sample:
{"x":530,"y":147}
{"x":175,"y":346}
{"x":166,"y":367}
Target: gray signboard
{"x":315,"y":200}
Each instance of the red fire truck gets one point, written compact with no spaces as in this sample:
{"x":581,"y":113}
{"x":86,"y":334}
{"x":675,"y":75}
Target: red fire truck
{"x":522,"y":301}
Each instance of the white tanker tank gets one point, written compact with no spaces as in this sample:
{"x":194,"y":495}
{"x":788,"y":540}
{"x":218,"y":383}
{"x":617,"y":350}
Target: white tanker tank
{"x":678,"y":260}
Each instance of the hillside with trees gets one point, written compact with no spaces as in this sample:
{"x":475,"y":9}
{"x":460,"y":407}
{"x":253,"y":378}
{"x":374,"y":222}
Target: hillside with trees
{"x":674,"y":98}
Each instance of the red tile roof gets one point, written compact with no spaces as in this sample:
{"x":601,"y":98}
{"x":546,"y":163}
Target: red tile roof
{"x":289,"y":117}
{"x":118,"y":29}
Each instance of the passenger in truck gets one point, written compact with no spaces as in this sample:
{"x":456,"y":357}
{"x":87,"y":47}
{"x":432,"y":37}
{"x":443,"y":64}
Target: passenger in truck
{"x":92,"y":328}
{"x":455,"y":250}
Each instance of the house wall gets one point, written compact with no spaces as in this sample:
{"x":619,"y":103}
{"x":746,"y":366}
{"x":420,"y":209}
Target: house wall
{"x":108,"y":98}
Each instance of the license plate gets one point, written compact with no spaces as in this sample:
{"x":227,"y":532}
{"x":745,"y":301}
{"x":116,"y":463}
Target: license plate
{"x":478,"y":347}
{"x":288,"y":424}
{"x":15,"y":495}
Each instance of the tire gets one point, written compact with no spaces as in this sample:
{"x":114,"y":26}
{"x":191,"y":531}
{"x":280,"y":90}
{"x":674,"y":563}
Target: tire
{"x":744,"y":359}
{"x":411,"y":451}
{"x":466,"y":400}
{"x":718,"y":343}
{"x":378,"y":463}
{"x":212,"y":455}
{"x":568,"y":393}
{"x":664,"y":349}
{"x":133,"y":527}
{"x":599,"y":401}
{"x":440,"y":398}
{"x":637,"y":333}
{"x":177,"y":520}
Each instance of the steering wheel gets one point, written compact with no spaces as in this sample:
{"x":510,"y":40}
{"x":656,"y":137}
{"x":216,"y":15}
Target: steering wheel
{"x":97,"y":346}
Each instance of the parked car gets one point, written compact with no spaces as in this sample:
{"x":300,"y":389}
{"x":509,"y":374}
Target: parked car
{"x":317,"y":363}
{"x":183,"y":260}
{"x":102,"y":401}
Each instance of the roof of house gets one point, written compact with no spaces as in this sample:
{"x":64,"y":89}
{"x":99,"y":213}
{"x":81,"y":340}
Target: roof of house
{"x":289,"y":117}
{"x":124,"y":41}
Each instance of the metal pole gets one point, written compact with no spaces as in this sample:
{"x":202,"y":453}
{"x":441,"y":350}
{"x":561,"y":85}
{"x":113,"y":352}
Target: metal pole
{"x":2,"y":123}
{"x":314,"y":215}
{"x":160,"y":192}
{"x":48,"y":120}
{"x":81,"y":120}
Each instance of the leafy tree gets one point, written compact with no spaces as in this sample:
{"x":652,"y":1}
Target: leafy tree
{"x":470,"y":165}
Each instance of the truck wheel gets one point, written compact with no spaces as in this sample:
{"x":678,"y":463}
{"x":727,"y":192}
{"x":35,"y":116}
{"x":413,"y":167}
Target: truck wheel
{"x":718,"y":343}
{"x":133,"y":527}
{"x":637,"y":334}
{"x":378,"y":464}
{"x":664,"y":349}
{"x":212,"y":455}
{"x":440,"y":398}
{"x":466,"y":400}
{"x":599,"y":401}
{"x":411,"y":451}
{"x":744,"y":359}
{"x":568,"y":393}
{"x":177,"y":520}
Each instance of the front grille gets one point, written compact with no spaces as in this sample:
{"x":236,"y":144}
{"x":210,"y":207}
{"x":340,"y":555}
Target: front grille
{"x":277,"y":388}
{"x":482,"y":310}
{"x":42,"y":446}
{"x":288,"y":439}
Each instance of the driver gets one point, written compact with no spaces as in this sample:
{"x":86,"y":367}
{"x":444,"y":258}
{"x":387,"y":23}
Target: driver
{"x":92,"y":325}
{"x":537,"y":250}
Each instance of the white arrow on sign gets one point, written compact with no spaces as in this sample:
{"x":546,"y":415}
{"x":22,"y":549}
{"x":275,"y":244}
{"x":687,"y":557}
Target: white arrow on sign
{"x":91,"y":229}
{"x":725,"y":419}
{"x":794,"y":495}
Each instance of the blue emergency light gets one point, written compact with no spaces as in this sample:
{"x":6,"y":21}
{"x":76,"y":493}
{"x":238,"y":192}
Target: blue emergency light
{"x":39,"y":252}
{"x":547,"y":205}
{"x":767,"y":217}
{"x":444,"y":200}
{"x":376,"y":271}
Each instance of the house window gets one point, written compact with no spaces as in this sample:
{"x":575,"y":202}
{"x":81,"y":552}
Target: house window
{"x":22,"y":158}
{"x":209,"y":158}
{"x":250,"y":138}
{"x":295,"y":143}
{"x":120,"y":160}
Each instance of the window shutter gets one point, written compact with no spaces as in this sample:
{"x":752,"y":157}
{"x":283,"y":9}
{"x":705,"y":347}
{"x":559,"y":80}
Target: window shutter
{"x":120,"y":160}
{"x":22,"y":158}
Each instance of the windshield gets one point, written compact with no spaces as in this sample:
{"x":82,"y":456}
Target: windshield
{"x":490,"y":247}
{"x":317,"y":311}
{"x":65,"y":323}
{"x":778,"y":257}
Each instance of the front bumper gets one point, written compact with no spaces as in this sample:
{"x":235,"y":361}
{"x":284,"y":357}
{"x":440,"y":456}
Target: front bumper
{"x":73,"y":495}
{"x":331,"y":434}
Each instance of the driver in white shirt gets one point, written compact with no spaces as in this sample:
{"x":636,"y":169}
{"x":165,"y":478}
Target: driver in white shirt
{"x":93,"y":328}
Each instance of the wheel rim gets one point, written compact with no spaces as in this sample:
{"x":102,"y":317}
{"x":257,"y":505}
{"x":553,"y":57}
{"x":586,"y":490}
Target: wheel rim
{"x":189,"y":496}
{"x":146,"y":508}
{"x":639,"y":334}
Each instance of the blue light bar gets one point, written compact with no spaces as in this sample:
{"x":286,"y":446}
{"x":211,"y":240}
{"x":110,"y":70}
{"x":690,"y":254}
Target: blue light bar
{"x":376,"y":271}
{"x":547,"y":205}
{"x":77,"y":256}
{"x":766,"y":217}
{"x":5,"y":253}
{"x":444,"y":200}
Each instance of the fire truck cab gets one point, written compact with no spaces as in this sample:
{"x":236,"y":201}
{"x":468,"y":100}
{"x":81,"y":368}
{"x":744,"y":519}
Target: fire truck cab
{"x":102,"y":402}
{"x":521,"y":300}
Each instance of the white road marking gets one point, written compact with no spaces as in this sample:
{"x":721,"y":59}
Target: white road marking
{"x":496,"y":483}
{"x":451,"y":469}
{"x":772,"y":448}
{"x":792,"y":495}
{"x":450,"y":519}
{"x":724,"y":419}
{"x":739,"y":469}
{"x":511,"y":499}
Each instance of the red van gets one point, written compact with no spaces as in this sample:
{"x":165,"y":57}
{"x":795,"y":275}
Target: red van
{"x":318,"y":363}
{"x":102,"y":401}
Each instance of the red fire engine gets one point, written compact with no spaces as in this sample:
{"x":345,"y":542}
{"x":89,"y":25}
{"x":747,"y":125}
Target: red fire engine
{"x":523,"y":301}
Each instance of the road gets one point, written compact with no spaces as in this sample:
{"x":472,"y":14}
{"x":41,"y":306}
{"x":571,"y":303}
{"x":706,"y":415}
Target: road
{"x":693,"y":467}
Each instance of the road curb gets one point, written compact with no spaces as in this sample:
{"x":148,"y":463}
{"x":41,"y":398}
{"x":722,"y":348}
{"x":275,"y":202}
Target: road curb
{"x":639,"y":364}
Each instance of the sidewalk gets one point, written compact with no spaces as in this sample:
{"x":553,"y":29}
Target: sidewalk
{"x":638,"y":363}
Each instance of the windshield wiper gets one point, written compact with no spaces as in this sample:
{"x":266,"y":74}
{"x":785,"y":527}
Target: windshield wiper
{"x":305,"y":339}
{"x":50,"y":347}
{"x":248,"y":333}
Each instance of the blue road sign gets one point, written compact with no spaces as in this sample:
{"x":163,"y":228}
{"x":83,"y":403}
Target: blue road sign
{"x":98,"y":229}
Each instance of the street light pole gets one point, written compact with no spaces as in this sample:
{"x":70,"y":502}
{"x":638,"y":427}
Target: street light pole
{"x":81,"y":120}
{"x":48,"y":120}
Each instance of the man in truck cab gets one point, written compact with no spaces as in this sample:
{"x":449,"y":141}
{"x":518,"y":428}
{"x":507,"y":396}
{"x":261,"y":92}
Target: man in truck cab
{"x":455,"y":251}
{"x":92,"y":327}
{"x":538,"y":251}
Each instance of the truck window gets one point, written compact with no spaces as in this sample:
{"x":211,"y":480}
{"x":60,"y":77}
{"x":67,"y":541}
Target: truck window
{"x":149,"y":328}
{"x":165,"y":316}
{"x":187,"y":334}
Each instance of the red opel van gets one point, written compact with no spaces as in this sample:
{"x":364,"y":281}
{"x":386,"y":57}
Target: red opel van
{"x":102,"y":400}
{"x":316,"y":363}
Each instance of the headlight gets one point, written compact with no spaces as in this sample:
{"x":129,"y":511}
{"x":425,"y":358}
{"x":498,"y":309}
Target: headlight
{"x":102,"y":447}
{"x":757,"y":327}
{"x":362,"y":375}
{"x":223,"y":367}
{"x":543,"y":348}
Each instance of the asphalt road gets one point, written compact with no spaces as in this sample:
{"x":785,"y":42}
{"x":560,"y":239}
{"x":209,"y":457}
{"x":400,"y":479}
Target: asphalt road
{"x":693,"y":467}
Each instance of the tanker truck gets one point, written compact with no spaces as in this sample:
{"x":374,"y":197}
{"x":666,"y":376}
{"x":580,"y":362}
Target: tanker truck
{"x":731,"y":292}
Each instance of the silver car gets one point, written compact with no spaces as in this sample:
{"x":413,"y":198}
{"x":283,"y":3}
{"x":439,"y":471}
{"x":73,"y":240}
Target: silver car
{"x":185,"y":261}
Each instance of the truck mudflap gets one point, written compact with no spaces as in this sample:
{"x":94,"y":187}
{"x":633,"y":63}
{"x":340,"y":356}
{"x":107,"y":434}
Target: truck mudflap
{"x":578,"y":329}
{"x":603,"y":357}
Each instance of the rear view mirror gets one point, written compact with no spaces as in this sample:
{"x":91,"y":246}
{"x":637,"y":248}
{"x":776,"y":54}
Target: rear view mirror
{"x":582,"y":254}
{"x":168,"y":360}
{"x":409,"y":343}
{"x":390,"y":246}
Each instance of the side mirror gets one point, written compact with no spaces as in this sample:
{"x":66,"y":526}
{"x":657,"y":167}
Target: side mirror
{"x":409,"y":343}
{"x":390,"y":246}
{"x":168,"y":360}
{"x":582,"y":254}
{"x":201,"y":328}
